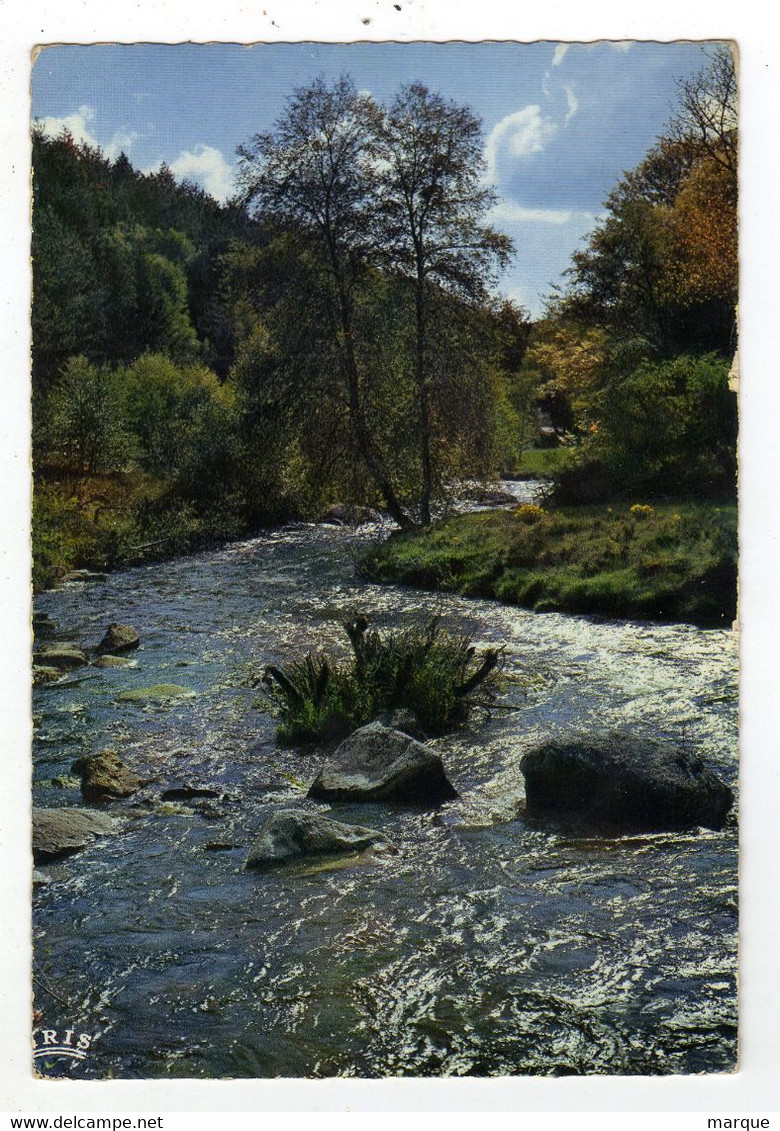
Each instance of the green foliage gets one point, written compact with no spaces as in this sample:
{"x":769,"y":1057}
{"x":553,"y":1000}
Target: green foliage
{"x":124,"y":262}
{"x":185,"y":419}
{"x":667,"y":427}
{"x":541,"y":463}
{"x":675,"y":563}
{"x":85,"y":417}
{"x":423,"y":668}
{"x":75,"y":527}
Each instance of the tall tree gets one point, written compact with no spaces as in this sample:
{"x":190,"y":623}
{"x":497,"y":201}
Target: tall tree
{"x":433,"y":208}
{"x":708,"y":111}
{"x":316,"y":172}
{"x":663,"y":263}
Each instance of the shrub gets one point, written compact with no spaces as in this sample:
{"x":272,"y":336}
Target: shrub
{"x":423,"y":667}
{"x":529,"y":513}
{"x":640,"y":510}
{"x":87,"y":426}
{"x":665,"y":428}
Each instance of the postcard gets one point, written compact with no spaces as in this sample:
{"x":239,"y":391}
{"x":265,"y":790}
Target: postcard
{"x":384,"y":426}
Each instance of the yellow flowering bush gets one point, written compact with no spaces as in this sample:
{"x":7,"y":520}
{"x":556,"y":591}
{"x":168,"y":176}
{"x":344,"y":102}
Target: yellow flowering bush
{"x":529,"y":513}
{"x":641,"y":510}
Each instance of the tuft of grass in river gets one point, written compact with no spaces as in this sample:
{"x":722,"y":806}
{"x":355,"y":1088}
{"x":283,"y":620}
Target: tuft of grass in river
{"x":422,"y":668}
{"x":675,"y":562}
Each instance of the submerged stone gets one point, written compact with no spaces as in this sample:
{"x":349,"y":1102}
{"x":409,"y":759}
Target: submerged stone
{"x":112,"y":662}
{"x":158,"y":694}
{"x":291,"y":834}
{"x":377,"y":763}
{"x":619,"y":780}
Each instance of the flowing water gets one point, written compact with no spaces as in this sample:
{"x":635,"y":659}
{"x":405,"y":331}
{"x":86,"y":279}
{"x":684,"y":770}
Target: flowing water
{"x":490,"y":945}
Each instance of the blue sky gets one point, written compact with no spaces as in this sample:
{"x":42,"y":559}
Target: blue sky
{"x":561,"y":122}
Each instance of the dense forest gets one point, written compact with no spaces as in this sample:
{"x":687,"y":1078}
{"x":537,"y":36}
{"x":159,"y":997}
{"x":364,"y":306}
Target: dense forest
{"x":331,"y":334}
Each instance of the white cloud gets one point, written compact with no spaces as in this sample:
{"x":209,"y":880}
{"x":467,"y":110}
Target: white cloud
{"x":508,"y":213}
{"x":572,"y":102}
{"x":520,"y":134}
{"x":121,"y":142}
{"x":77,"y":126}
{"x":616,"y":44}
{"x":206,"y":167}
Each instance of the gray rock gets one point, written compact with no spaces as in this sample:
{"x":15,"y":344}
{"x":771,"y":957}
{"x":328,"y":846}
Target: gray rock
{"x":119,"y":638}
{"x":377,"y":763}
{"x":105,"y":778}
{"x":350,"y":514}
{"x":62,"y":656}
{"x":291,"y":833}
{"x":400,"y":718}
{"x":82,"y":575}
{"x":58,"y":832}
{"x":619,"y":780}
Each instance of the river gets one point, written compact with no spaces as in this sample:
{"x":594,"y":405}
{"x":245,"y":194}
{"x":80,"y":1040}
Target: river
{"x":490,"y":945}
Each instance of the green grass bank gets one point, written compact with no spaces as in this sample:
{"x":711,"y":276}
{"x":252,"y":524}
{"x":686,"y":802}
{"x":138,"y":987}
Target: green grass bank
{"x":671,"y":562}
{"x":542,"y":463}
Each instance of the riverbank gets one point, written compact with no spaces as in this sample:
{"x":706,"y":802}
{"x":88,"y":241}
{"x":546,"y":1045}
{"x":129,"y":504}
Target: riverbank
{"x":671,"y":562}
{"x":104,"y":522}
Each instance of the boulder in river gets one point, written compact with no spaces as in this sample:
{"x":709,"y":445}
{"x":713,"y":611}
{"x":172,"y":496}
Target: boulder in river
{"x":349,"y":514}
{"x":159,"y":695}
{"x":378,"y":763}
{"x":58,"y":832}
{"x":62,"y":656}
{"x":82,"y":575}
{"x":119,"y":638}
{"x":292,"y":833}
{"x":621,"y":781}
{"x":104,"y":777}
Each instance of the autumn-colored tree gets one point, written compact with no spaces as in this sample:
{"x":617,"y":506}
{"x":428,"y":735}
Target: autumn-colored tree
{"x":702,"y":264}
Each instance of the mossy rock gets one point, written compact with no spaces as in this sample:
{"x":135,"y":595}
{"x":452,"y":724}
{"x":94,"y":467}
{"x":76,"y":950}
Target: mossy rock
{"x":43,"y":674}
{"x":159,"y":694}
{"x":105,"y":778}
{"x":63,"y":656}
